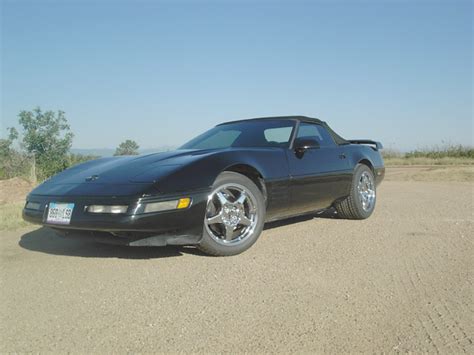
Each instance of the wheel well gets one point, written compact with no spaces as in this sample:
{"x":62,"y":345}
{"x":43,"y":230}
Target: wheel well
{"x":368,"y":163}
{"x":252,"y":173}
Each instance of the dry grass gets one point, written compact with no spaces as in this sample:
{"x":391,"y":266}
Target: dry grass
{"x":436,"y":155}
{"x":12,"y":199}
{"x":10,"y":216}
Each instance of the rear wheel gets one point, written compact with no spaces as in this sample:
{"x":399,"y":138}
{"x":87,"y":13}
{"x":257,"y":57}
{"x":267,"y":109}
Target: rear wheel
{"x":361,"y":201}
{"x":235,"y":215}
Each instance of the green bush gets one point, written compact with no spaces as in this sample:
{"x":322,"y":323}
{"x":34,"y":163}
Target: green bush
{"x":21,"y":164}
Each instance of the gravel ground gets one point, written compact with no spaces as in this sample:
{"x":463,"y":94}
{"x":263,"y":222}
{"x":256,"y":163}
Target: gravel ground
{"x":399,"y":281}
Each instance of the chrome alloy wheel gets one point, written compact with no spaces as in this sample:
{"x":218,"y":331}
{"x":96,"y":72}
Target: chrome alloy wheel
{"x":366,"y":191}
{"x":231,"y":214}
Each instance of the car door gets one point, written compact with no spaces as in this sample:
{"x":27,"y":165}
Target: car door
{"x":319,"y":170}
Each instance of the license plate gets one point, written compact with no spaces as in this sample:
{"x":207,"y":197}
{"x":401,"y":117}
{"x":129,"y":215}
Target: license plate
{"x":60,"y":213}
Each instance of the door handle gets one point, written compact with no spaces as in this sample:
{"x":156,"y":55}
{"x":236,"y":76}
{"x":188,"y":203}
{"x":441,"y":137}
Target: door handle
{"x":342,"y":156}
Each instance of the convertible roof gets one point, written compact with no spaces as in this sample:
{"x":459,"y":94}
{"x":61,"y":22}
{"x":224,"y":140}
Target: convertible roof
{"x":299,"y":118}
{"x":337,"y":138}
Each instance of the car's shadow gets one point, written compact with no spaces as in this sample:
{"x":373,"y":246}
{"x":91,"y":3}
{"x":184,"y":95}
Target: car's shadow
{"x":45,"y":240}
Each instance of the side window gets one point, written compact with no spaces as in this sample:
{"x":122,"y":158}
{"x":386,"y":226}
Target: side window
{"x":280,"y":135}
{"x":316,"y":132}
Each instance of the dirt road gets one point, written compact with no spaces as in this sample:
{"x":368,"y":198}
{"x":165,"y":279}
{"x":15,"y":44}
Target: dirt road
{"x":399,"y":281}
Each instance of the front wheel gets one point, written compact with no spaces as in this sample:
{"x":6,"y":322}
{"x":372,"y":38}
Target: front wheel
{"x":361,"y":201}
{"x":235,"y":215}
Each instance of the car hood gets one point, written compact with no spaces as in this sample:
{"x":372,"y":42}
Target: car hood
{"x":127,"y":174}
{"x":127,"y":168}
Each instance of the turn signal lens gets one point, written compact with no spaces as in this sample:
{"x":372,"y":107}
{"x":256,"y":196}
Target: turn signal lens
{"x":183,"y":203}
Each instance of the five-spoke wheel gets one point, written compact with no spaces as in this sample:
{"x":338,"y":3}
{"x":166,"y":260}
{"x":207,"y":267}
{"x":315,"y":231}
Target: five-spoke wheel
{"x":234,"y":217}
{"x":231,"y":214}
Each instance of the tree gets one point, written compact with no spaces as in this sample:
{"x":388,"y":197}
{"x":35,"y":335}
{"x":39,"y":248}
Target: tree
{"x":128,"y":147}
{"x":6,"y":144}
{"x":48,"y":137}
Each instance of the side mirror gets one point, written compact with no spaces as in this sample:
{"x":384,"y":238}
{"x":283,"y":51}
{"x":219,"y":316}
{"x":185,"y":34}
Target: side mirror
{"x":302,"y":145}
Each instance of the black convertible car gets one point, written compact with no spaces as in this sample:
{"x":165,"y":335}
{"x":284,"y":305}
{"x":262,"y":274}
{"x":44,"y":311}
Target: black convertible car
{"x":217,"y":190}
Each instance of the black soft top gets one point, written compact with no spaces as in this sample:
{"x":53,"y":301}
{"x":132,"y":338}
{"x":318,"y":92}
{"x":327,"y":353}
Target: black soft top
{"x":337,"y":138}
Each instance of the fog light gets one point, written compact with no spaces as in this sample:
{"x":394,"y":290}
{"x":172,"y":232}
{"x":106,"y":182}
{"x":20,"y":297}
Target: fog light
{"x":107,"y":209}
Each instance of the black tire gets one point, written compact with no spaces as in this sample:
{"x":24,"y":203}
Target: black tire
{"x":352,"y":206}
{"x":212,"y":245}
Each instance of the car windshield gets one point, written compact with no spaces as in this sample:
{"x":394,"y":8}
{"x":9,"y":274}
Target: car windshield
{"x":264,"y":133}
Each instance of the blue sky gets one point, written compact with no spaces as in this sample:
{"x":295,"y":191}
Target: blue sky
{"x":160,"y":72}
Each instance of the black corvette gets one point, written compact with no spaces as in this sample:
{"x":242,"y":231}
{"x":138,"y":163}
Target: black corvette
{"x":217,"y":190}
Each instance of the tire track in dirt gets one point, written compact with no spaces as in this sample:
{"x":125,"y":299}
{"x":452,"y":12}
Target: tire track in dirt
{"x":440,"y":328}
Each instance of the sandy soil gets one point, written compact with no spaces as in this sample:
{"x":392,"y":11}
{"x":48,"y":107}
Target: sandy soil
{"x":400,"y":281}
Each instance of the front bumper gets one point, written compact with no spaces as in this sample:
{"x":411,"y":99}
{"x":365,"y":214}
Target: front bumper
{"x":177,"y":227}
